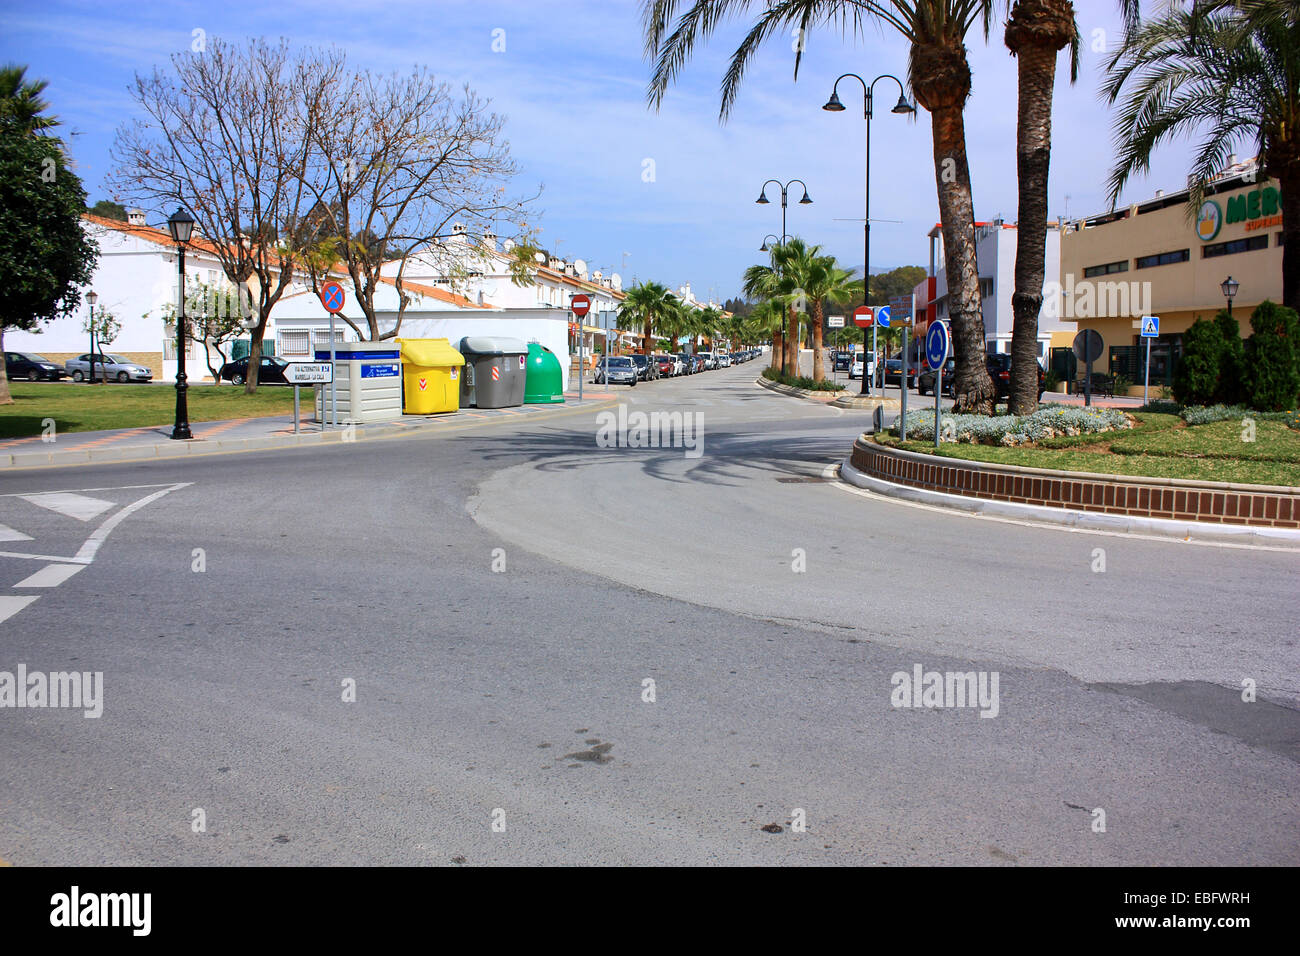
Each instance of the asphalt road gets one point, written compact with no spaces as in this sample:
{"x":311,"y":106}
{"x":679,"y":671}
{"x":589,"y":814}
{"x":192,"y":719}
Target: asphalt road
{"x":768,"y":607}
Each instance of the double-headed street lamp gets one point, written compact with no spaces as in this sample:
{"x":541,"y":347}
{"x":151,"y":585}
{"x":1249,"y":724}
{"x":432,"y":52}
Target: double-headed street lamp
{"x":1229,"y":288}
{"x":779,"y":241}
{"x":762,"y":200}
{"x":834,"y":105}
{"x":181,"y":226}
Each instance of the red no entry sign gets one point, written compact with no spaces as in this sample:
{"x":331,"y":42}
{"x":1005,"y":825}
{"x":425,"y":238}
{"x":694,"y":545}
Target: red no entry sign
{"x":331,"y":296}
{"x":864,"y":316}
{"x":580,"y":304}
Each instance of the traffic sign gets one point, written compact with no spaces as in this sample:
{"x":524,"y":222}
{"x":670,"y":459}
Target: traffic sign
{"x":580,"y":304}
{"x":883,"y":316}
{"x":1150,"y":326}
{"x":1088,"y":346}
{"x":937,"y":343}
{"x":864,"y":316}
{"x":900,"y":308}
{"x":332,"y":297}
{"x":309,"y":373}
{"x":834,"y":321}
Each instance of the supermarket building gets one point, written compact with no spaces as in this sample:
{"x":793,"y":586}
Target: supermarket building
{"x":1151,"y":258}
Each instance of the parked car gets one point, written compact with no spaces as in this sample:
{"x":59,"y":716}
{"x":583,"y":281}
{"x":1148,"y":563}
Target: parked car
{"x":270,"y":371}
{"x":616,"y":370}
{"x":33,"y":367}
{"x":999,"y":366}
{"x":668,"y":365}
{"x":926,"y":380}
{"x":108,"y":367}
{"x":855,"y":366}
{"x":724,"y":360}
{"x":892,"y":373}
{"x":710,"y":362}
{"x":645,"y":369}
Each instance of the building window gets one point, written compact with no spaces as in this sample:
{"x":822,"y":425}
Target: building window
{"x":1234,"y":246}
{"x":1280,"y":237}
{"x":1105,"y":270}
{"x":1162,"y":259}
{"x":986,"y":288}
{"x":321,"y":338}
{"x":296,"y":342}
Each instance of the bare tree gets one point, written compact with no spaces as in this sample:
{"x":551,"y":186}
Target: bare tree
{"x":397,"y":160}
{"x":226,"y":138}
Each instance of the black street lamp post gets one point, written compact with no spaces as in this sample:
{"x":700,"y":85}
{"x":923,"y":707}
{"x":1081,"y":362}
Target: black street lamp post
{"x":1229,"y":288}
{"x":834,"y":105}
{"x":92,"y":298}
{"x":762,"y":200}
{"x":181,"y":226}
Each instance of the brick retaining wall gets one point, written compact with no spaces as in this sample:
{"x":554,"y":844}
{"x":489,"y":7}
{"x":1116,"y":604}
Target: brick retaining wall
{"x":1213,"y":502}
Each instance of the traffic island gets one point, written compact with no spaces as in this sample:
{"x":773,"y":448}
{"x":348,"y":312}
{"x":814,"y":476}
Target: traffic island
{"x":1113,"y":502}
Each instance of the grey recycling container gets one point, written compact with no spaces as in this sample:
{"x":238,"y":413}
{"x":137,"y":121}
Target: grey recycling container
{"x":496,"y":371}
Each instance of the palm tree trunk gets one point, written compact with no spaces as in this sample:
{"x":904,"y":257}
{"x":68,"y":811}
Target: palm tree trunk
{"x":1036,"y":30}
{"x":974,"y":387}
{"x":1288,"y":178}
{"x":819,"y":364}
{"x":1037,"y":69}
{"x":791,"y":342}
{"x":778,"y":350}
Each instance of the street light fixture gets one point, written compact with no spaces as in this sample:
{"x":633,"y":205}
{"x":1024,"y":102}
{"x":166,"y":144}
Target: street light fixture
{"x":1229,"y":288}
{"x":762,"y":200}
{"x":92,"y":298}
{"x":833,"y":105}
{"x":181,"y":227}
{"x":764,"y":246}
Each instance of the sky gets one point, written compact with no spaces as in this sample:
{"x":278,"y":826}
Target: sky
{"x":664,"y":195}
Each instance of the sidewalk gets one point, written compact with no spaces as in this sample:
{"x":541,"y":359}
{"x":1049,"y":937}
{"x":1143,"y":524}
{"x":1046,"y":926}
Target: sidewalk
{"x":248,"y":434}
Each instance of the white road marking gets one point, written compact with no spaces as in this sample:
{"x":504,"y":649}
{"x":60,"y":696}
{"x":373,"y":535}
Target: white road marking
{"x":50,"y":576}
{"x":87,"y":550}
{"x":9,"y":534}
{"x":9,"y":606}
{"x":69,"y":504}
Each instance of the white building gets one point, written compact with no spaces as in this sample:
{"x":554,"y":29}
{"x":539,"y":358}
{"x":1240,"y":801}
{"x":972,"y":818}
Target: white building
{"x":995,"y":252}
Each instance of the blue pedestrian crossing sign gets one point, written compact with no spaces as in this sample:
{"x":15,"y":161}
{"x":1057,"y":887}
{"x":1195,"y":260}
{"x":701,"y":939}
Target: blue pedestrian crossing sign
{"x":1150,"y":326}
{"x":882,"y":316}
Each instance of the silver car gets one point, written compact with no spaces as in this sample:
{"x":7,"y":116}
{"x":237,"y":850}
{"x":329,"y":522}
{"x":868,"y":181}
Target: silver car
{"x":108,"y":367}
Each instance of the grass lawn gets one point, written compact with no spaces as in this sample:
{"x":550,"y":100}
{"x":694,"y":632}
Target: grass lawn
{"x":1161,"y":447}
{"x":81,"y":408}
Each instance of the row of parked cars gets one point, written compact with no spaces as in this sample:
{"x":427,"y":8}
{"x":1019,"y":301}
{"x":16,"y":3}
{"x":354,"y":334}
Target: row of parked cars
{"x":630,"y":369}
{"x":107,"y":367}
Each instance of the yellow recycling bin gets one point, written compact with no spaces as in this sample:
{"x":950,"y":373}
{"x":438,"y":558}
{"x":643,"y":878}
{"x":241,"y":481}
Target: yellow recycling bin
{"x":431,"y":371}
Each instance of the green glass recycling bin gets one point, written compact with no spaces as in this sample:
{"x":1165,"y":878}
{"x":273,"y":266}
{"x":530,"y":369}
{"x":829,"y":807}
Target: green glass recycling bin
{"x":545,"y":381}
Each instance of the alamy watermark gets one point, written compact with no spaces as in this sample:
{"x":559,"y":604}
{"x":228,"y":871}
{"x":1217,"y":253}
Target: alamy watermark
{"x":654,"y":430}
{"x":1091,"y":299}
{"x":939,"y":689}
{"x":36,"y":689}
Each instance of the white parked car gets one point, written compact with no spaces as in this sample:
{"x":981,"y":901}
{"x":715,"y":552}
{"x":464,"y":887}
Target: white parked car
{"x":855,"y":367}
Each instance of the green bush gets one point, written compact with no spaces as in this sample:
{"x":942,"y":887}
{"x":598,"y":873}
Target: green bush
{"x":1271,"y":377}
{"x":1232,"y":361}
{"x":1196,"y":378}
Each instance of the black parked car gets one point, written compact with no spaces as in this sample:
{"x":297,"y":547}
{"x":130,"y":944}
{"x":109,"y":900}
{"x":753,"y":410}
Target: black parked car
{"x":645,"y":369}
{"x":999,"y":367}
{"x":269,"y":372}
{"x":34,"y":368}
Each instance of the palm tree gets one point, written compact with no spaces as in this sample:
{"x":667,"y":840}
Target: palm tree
{"x":771,"y":284}
{"x":1229,"y":75}
{"x":939,"y":76}
{"x":1036,"y":31}
{"x":825,"y":282}
{"x":645,"y":304}
{"x":21,"y":103}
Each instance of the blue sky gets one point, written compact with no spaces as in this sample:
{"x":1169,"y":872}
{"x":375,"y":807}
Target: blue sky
{"x":571,"y":83}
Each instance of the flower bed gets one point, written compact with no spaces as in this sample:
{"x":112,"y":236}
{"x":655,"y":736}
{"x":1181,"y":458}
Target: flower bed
{"x":1049,"y":421}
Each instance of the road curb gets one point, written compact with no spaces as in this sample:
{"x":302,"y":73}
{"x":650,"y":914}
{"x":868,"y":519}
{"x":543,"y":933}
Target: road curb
{"x":1074,"y":520}
{"x":197,"y":447}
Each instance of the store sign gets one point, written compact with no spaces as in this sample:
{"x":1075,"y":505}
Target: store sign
{"x":1258,"y":209}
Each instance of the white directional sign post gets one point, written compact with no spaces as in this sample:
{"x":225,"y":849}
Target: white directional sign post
{"x":306,"y":373}
{"x":1150,"y":330}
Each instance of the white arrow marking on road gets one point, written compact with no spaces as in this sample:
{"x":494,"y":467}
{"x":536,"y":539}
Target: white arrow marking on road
{"x":66,"y":503}
{"x":9,"y":606}
{"x":50,"y":576}
{"x":9,"y":534}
